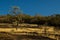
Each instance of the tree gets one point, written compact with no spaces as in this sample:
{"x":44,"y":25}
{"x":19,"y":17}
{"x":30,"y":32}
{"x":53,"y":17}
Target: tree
{"x":9,"y":18}
{"x":40,"y":20}
{"x":15,"y":12}
{"x":27,"y":18}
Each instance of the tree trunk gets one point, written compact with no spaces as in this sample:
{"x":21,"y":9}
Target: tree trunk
{"x":17,"y":25}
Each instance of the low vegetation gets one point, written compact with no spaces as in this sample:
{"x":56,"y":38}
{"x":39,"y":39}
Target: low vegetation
{"x":17,"y":17}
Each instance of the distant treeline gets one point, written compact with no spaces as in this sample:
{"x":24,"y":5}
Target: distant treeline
{"x":16,"y":16}
{"x":52,"y":20}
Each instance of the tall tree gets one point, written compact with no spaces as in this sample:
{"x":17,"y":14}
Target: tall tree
{"x":15,"y":12}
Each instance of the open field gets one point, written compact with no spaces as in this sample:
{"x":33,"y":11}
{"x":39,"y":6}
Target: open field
{"x":30,"y":31}
{"x":26,"y":31}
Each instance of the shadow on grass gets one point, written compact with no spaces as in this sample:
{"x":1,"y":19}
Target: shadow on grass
{"x":8,"y":36}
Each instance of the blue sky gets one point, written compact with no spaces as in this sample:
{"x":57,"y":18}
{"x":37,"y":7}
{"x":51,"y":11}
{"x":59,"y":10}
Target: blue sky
{"x":31,"y":7}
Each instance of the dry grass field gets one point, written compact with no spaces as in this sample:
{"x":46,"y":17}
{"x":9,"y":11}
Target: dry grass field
{"x":25,"y":33}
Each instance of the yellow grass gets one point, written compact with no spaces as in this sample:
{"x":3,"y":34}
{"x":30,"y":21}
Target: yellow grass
{"x":37,"y":30}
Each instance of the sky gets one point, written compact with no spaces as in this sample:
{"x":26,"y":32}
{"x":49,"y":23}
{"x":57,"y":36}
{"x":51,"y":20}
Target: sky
{"x":31,"y":7}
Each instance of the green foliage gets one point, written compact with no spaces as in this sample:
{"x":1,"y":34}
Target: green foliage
{"x":53,"y":20}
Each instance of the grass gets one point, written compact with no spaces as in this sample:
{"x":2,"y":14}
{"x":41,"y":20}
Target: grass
{"x":23,"y":30}
{"x":4,"y":36}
